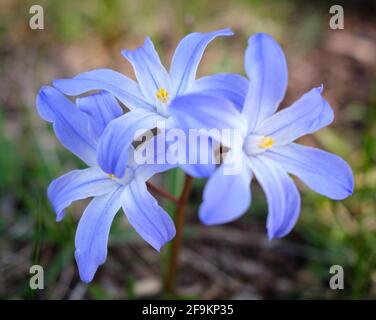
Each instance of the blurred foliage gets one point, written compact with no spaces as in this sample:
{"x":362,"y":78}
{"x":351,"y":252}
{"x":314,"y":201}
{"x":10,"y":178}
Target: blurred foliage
{"x":331,"y":232}
{"x":345,"y":231}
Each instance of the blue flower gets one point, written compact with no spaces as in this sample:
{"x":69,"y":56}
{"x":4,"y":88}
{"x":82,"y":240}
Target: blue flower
{"x":267,"y":150}
{"x":175,"y":98}
{"x":79,"y":129}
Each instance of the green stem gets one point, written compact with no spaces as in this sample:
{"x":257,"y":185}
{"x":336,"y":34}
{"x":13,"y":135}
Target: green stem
{"x":169,"y":284}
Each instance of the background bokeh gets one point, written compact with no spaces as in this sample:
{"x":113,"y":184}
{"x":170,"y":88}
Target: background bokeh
{"x":236,"y":260}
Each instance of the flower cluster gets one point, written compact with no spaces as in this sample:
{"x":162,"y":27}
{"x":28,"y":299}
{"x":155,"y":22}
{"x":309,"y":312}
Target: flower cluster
{"x":96,"y":129}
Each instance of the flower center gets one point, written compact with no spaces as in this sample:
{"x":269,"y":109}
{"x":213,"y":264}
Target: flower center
{"x":128,"y":177}
{"x":266,"y":143}
{"x":256,"y":144}
{"x":162,"y":95}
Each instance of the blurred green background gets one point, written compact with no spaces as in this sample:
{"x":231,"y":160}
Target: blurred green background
{"x":234,"y":261}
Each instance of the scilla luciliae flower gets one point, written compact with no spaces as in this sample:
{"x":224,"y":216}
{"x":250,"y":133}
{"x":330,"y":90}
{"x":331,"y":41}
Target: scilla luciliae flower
{"x":267,"y":150}
{"x":173,"y":98}
{"x":79,"y":128}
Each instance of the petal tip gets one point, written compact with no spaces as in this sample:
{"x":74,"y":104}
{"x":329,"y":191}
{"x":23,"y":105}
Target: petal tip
{"x":228,"y":32}
{"x":210,"y":220}
{"x":351,"y":184}
{"x":347,"y":190}
{"x":272,"y":234}
{"x":59,"y":216}
{"x":148,"y":41}
{"x":64,"y":85}
{"x":261,"y":36}
{"x":221,"y":32}
{"x":86,"y":278}
{"x":57,"y":82}
{"x":158,"y":245}
{"x":44,"y":91}
{"x":85,"y":269}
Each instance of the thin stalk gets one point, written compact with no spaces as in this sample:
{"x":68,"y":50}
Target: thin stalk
{"x":162,"y":192}
{"x":169,"y":285}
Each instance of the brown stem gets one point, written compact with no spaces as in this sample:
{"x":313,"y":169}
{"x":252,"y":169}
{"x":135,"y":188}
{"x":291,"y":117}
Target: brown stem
{"x":162,"y":192}
{"x":171,"y":273}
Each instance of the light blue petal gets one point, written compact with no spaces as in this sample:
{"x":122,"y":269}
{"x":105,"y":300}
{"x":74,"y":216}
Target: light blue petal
{"x":191,"y":151}
{"x":226,"y":197}
{"x":154,"y":162}
{"x":321,"y":171}
{"x":199,"y":111}
{"x":199,"y":170}
{"x":228,"y":85}
{"x":76,"y":185}
{"x":146,"y":171}
{"x":307,"y":115}
{"x":120,"y":133}
{"x":71,"y":125}
{"x":101,"y":108}
{"x":266,"y":67}
{"x":199,"y":159}
{"x":187,"y":58}
{"x":92,"y":233}
{"x":281,"y":193}
{"x":123,"y":88}
{"x":145,"y":215}
{"x":150,"y":73}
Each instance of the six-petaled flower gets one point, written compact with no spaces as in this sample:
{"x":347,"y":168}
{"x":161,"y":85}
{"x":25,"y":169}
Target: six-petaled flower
{"x":267,"y":150}
{"x":79,"y":128}
{"x":173,"y":99}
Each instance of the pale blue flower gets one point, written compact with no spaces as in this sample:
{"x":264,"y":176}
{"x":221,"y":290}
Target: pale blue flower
{"x":268,"y":151}
{"x":174,"y":98}
{"x":79,"y":129}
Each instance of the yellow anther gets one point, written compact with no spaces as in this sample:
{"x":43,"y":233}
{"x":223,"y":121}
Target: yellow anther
{"x":266,"y":143}
{"x":162,"y":95}
{"x":112,"y":176}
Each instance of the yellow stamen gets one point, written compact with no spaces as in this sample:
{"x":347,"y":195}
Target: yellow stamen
{"x":162,"y":95}
{"x":112,"y":176}
{"x":266,"y":143}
